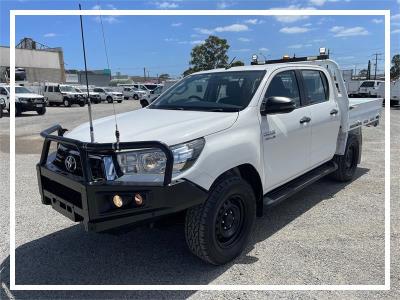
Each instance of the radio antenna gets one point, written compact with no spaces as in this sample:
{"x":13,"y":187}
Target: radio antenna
{"x":108,"y":66}
{"x":87,"y":82}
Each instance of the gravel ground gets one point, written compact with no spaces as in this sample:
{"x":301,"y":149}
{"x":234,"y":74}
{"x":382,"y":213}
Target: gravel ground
{"x":330,"y":233}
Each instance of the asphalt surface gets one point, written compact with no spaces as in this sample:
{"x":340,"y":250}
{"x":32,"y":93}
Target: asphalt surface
{"x":329,"y":233}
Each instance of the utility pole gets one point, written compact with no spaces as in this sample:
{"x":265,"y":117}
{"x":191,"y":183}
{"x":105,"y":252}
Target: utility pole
{"x":376,"y":63}
{"x":144,"y":74}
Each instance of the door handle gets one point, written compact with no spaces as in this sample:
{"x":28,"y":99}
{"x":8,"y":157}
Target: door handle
{"x":305,"y":120}
{"x":334,"y":112}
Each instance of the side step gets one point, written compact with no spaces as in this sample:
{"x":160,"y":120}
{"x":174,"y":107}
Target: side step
{"x":288,"y":189}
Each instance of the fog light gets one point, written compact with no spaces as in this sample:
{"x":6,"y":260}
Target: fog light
{"x":138,"y":199}
{"x":117,"y":200}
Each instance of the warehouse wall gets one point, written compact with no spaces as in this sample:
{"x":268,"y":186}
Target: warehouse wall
{"x":40,"y":65}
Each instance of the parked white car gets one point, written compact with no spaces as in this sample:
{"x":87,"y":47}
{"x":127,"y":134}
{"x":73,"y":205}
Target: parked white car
{"x":63,"y":94}
{"x":134,"y":93}
{"x":219,"y":145}
{"x":108,"y":94}
{"x":372,"y":88}
{"x":94,"y":97}
{"x":25,"y":100}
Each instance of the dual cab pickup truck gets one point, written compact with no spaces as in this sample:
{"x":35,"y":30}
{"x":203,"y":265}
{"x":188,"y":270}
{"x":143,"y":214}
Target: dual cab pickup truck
{"x":220,"y":146}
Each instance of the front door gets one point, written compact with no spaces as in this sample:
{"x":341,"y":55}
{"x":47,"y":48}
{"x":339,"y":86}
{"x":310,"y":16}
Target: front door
{"x":286,"y":137}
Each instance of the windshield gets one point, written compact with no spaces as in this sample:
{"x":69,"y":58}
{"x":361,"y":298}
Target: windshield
{"x":222,"y":91}
{"x":19,"y":90}
{"x":108,"y":90}
{"x":67,"y":88}
{"x":78,"y":90}
{"x":151,"y":86}
{"x":367,"y":84}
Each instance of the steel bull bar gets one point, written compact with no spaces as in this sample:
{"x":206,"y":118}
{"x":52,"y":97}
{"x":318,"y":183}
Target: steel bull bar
{"x":83,"y":199}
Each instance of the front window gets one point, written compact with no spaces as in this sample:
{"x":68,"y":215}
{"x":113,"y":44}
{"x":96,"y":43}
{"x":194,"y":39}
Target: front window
{"x":219,"y":91}
{"x":151,"y":87}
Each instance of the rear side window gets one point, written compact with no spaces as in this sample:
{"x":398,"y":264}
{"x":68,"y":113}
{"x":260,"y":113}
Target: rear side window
{"x":284,"y":84}
{"x":316,"y":86}
{"x":50,"y":89}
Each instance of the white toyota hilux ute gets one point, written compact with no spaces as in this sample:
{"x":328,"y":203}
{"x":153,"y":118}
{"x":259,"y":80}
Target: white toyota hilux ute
{"x":219,"y":145}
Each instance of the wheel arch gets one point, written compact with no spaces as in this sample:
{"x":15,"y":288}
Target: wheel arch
{"x":250,"y":174}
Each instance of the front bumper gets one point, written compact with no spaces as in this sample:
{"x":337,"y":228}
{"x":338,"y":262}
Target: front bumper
{"x":90,"y":202}
{"x":31,"y":106}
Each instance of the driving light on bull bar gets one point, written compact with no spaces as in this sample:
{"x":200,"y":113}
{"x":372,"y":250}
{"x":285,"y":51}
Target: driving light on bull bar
{"x":138,"y":199}
{"x":117,"y":200}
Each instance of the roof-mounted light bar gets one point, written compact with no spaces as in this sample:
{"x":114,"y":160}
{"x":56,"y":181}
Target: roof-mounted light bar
{"x":323,"y":54}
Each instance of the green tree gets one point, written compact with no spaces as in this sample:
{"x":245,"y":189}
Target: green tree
{"x":209,"y":55}
{"x":395,"y":69}
{"x":237,"y":63}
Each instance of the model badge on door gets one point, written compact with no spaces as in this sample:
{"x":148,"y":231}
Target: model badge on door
{"x":269,"y":135}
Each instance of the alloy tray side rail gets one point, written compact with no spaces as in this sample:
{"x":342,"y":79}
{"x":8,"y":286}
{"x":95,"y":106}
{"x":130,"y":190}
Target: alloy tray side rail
{"x":84,"y":148}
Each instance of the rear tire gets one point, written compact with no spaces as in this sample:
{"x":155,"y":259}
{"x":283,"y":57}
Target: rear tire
{"x":119,"y":101}
{"x":217,"y":230}
{"x":347,"y":163}
{"x":66,"y":102}
{"x":81,"y":104}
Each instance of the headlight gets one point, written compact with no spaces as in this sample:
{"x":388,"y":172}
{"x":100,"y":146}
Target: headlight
{"x":186,"y":154}
{"x":142,"y":162}
{"x":153,"y":162}
{"x":22,"y":100}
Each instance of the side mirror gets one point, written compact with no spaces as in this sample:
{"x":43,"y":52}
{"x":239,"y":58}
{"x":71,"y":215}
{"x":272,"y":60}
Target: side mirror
{"x":144,"y":103}
{"x":277,"y":105}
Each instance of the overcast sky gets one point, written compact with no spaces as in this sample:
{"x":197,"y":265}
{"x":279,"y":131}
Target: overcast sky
{"x":163,"y":44}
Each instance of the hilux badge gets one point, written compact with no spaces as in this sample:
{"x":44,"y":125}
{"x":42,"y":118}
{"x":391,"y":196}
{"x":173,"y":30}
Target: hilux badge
{"x":70,"y":163}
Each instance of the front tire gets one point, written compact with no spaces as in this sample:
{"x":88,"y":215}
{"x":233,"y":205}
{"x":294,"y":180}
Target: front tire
{"x":41,"y":111}
{"x":119,"y":101}
{"x":81,"y":104}
{"x":135,"y":97}
{"x":217,"y":230}
{"x":109,"y":99}
{"x":18,"y":110}
{"x":347,"y":163}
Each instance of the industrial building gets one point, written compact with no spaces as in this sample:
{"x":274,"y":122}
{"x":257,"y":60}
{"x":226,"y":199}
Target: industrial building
{"x":34,"y":62}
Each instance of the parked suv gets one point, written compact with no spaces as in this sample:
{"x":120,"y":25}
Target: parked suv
{"x":63,"y":94}
{"x":134,"y":93}
{"x":108,"y":94}
{"x":94,"y":97}
{"x":219,"y":146}
{"x":25,"y":100}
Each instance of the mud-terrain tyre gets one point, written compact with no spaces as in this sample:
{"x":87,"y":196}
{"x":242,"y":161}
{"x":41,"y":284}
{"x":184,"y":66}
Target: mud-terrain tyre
{"x":217,"y":230}
{"x":347,"y":163}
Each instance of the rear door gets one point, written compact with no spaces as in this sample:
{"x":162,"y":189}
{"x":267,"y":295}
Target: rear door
{"x":325,"y":118}
{"x":286,"y":137}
